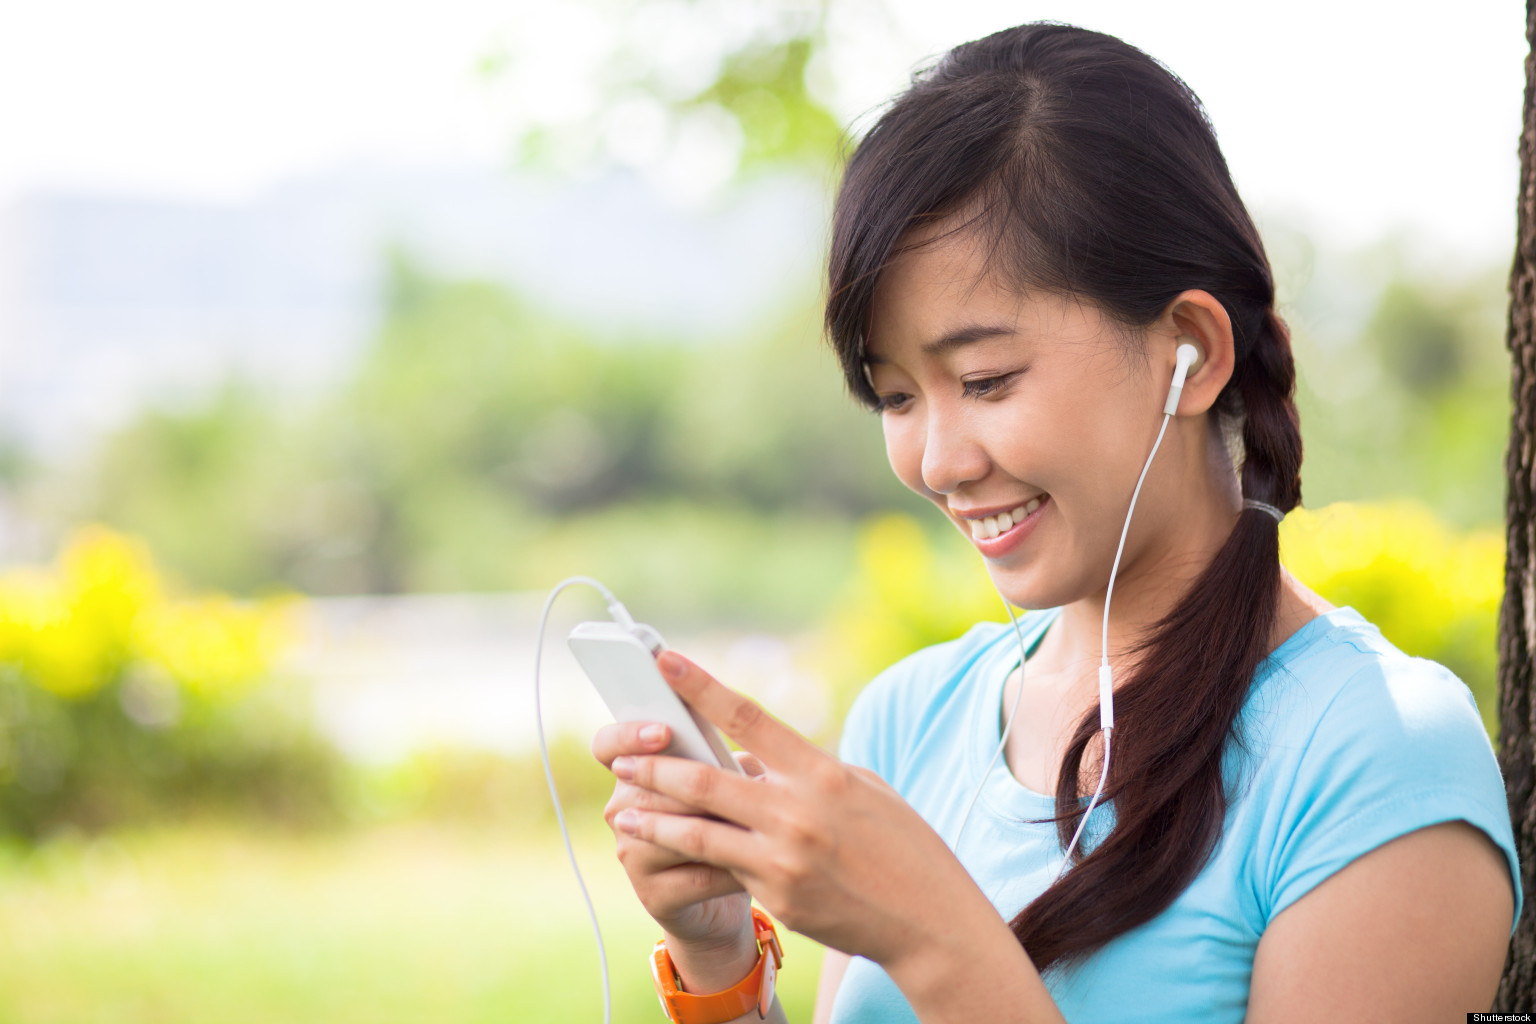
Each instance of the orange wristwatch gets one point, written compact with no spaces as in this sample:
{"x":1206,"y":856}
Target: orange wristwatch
{"x":754,"y":992}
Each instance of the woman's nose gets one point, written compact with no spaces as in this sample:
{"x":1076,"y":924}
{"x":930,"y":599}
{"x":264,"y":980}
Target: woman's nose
{"x":951,"y":457}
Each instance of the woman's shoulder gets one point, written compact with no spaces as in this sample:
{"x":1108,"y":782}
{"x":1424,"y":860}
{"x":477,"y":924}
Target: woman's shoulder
{"x":1340,"y":669}
{"x":1351,"y":743}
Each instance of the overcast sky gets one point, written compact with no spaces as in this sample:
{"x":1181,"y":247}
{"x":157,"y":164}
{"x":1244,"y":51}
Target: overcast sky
{"x":1353,"y":117}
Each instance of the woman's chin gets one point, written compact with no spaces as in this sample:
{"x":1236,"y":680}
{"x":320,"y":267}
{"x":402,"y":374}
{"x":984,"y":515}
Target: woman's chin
{"x":1023,"y":587}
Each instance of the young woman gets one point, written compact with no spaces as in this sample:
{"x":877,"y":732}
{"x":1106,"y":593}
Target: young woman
{"x":1297,"y":821}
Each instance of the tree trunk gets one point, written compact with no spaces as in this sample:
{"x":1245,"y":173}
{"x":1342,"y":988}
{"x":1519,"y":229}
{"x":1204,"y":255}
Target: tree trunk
{"x":1517,"y":623}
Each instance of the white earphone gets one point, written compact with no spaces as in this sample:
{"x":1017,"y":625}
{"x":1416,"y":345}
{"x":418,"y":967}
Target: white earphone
{"x":1187,"y":356}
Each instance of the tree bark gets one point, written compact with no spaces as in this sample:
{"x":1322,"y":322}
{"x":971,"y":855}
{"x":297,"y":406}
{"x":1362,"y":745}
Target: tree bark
{"x":1517,"y":621}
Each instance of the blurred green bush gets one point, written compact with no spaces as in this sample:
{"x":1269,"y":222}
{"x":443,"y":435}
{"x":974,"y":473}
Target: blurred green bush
{"x":725,"y":477}
{"x":120,"y":703}
{"x":1433,"y":590}
{"x":467,"y":786}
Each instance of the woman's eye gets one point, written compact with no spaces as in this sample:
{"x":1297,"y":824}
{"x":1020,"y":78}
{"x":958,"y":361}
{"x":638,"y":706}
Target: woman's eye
{"x":984,"y":386}
{"x":892,"y":402}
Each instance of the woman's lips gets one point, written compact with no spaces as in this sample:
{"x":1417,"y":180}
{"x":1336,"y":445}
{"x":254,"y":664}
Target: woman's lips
{"x":987,"y":527}
{"x":995,"y":536}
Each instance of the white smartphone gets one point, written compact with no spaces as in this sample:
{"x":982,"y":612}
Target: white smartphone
{"x":622,"y":665}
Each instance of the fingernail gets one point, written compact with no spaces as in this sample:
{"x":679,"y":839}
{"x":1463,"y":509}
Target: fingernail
{"x":673,"y":667}
{"x":628,"y":820}
{"x":624,"y":767}
{"x":652,"y":735}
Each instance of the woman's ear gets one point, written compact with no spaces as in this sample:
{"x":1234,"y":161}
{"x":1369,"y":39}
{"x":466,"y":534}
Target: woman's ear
{"x":1197,"y":317}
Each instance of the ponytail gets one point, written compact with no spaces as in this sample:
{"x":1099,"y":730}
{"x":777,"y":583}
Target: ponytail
{"x":1175,"y":713}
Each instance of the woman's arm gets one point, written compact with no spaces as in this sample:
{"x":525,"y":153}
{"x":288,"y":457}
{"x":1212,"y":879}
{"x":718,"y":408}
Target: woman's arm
{"x":1415,"y":930}
{"x":834,"y":964}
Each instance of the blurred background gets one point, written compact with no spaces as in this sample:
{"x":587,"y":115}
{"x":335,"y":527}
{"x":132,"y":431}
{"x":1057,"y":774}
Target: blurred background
{"x":333,"y":334}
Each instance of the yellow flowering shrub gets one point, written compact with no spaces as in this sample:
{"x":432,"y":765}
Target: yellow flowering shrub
{"x":77,"y":626}
{"x":1433,"y":591}
{"x":906,"y":593}
{"x":67,"y":628}
{"x":119,"y":700}
{"x":215,"y":645}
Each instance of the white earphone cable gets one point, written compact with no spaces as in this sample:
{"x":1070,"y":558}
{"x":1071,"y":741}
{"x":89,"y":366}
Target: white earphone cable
{"x":621,"y":615}
{"x":1098,"y":792}
{"x":1125,"y":529}
{"x":1106,"y":685}
{"x":1001,"y":743}
{"x":1106,"y":679}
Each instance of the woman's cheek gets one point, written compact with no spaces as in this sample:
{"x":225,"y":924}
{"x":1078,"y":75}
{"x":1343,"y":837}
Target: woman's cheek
{"x":904,"y":450}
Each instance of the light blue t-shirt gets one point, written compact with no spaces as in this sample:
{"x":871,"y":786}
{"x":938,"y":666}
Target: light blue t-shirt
{"x":1353,"y":744}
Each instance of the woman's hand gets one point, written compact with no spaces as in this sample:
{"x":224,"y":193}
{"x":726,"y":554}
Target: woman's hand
{"x":828,"y":849}
{"x":703,"y":910}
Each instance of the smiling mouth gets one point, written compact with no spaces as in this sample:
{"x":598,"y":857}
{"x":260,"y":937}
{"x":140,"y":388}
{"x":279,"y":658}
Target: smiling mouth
{"x":992,"y":526}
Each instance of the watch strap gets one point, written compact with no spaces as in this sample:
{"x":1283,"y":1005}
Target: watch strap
{"x":754,"y":992}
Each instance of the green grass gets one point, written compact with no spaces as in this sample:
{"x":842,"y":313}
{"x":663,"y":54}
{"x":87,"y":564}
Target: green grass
{"x":415,"y":924}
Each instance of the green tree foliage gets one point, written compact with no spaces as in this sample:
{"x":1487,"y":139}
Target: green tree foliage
{"x":485,"y":435}
{"x":1410,"y":399}
{"x":676,"y":67}
{"x":482,"y":444}
{"x":466,"y":380}
{"x":762,"y":86}
{"x":201,"y":483}
{"x":767,"y":424}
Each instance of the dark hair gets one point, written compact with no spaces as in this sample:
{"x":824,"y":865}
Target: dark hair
{"x":1093,"y":171}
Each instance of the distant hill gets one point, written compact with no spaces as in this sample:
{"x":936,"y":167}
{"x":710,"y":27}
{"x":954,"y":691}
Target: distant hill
{"x":109,"y":302}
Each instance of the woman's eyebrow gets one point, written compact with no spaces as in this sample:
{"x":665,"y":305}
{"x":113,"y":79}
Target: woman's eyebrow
{"x":954,"y":339}
{"x":966,"y":335}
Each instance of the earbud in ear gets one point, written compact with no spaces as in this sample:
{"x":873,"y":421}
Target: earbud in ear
{"x":1190,"y":341}
{"x":1186,"y":356}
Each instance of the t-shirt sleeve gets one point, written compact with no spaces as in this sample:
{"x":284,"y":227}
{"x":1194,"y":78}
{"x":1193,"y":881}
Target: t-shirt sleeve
{"x":1400,"y":747}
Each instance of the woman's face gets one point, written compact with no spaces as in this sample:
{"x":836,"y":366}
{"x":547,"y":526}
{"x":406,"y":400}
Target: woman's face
{"x":999,"y":407}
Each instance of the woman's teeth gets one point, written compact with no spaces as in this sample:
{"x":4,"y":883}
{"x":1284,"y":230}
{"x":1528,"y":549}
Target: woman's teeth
{"x":991,"y":526}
